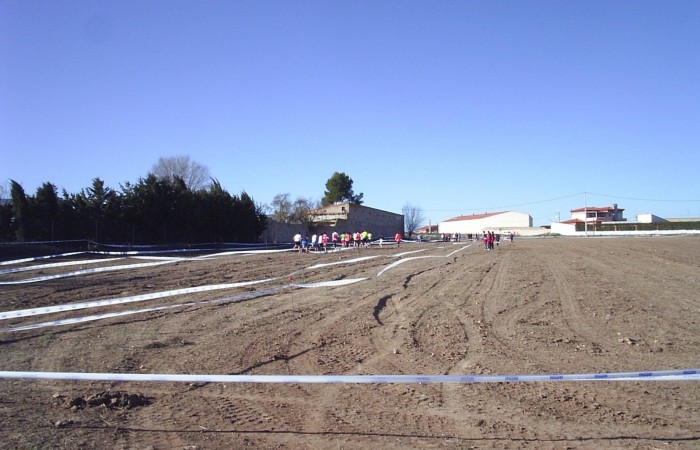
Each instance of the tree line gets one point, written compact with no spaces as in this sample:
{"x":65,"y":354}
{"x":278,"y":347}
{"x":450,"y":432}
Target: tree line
{"x":152,"y":211}
{"x":174,"y":204}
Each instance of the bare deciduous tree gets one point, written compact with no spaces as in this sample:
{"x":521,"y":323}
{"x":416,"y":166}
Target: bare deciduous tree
{"x":195,"y":175}
{"x":298,"y":211}
{"x":281,"y":208}
{"x":302,"y":208}
{"x":412,"y":217}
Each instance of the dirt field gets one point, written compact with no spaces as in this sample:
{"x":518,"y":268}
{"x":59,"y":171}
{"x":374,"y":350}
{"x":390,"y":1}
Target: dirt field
{"x":534,"y":306}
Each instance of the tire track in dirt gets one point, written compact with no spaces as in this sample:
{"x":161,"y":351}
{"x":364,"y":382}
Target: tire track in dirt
{"x":418,"y":330}
{"x":439,"y":335}
{"x":534,"y":323}
{"x":351,"y":337}
{"x":481,"y":313}
{"x":383,"y":336}
{"x":579,"y":331}
{"x":338,"y":338}
{"x":610,"y":301}
{"x":327,"y":356}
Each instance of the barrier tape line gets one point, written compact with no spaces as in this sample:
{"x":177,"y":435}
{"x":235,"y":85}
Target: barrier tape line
{"x":348,"y":261}
{"x":157,"y":295}
{"x":670,"y":375}
{"x":401,"y":255}
{"x":122,"y":300}
{"x":38,"y":258}
{"x":72,"y":321}
{"x":108,"y":302}
{"x":122,"y":255}
{"x":321,"y":265}
{"x":60,"y":264}
{"x":401,"y":261}
{"x":86,"y":271}
{"x":330,"y":283}
{"x":143,"y":253}
{"x":458,"y":250}
{"x":249,"y":295}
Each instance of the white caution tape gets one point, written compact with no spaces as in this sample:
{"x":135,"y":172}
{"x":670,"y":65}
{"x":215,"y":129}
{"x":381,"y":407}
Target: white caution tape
{"x":458,"y":250}
{"x":61,"y":264}
{"x":400,"y":255}
{"x":56,"y":323}
{"x":669,"y":375}
{"x":143,"y":253}
{"x":75,"y":320}
{"x":117,"y":301}
{"x":348,"y":261}
{"x":245,"y":252}
{"x":151,"y":296}
{"x":38,"y":258}
{"x":330,"y":283}
{"x":162,"y":258}
{"x":401,"y":261}
{"x":86,"y":271}
{"x":151,"y":252}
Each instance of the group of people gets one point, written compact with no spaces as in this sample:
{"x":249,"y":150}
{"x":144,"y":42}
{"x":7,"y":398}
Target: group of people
{"x":454,"y":237}
{"x":321,"y":242}
{"x":489,"y":238}
{"x":302,"y":243}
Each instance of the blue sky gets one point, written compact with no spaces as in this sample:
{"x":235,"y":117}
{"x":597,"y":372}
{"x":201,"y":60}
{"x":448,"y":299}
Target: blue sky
{"x":456,"y":107}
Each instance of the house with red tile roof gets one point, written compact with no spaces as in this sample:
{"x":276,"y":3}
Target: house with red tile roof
{"x":428,"y":229}
{"x":596,"y":214}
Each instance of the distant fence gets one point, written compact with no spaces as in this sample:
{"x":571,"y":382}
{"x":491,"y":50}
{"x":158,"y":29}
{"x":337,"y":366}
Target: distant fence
{"x":9,"y":250}
{"x":623,"y":226}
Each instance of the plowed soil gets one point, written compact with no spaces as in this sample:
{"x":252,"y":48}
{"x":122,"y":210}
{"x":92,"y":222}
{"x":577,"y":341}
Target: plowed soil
{"x":533,"y":306}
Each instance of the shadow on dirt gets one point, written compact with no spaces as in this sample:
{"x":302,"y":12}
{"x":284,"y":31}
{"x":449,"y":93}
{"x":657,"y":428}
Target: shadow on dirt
{"x":381,"y":304}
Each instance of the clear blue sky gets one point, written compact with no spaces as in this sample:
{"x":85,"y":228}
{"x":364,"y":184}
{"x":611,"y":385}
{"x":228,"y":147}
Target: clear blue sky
{"x":456,"y":107}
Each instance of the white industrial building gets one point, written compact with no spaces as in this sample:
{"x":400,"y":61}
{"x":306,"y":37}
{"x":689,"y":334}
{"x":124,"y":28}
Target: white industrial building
{"x":649,"y":218}
{"x":505,"y":221}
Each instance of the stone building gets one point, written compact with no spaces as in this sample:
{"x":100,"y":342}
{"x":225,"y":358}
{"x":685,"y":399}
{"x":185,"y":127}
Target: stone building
{"x":349,"y":217}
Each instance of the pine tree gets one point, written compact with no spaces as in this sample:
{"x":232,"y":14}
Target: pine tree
{"x":339,"y":189}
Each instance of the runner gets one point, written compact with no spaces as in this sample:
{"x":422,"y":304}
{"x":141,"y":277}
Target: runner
{"x":324,"y":242}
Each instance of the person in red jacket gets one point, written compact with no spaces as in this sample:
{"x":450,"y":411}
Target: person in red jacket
{"x":397,"y":239}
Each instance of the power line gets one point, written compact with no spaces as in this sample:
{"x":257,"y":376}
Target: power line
{"x":644,"y":199}
{"x":493,"y":208}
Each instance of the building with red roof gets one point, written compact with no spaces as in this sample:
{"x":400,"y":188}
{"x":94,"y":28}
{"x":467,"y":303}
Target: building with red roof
{"x":596,"y":214}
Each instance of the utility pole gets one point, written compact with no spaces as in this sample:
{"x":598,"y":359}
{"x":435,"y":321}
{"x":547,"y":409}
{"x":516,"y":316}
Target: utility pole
{"x":585,"y":214}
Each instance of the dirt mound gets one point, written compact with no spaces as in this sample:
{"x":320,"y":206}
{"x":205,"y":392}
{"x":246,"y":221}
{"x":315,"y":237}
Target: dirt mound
{"x":109,"y":399}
